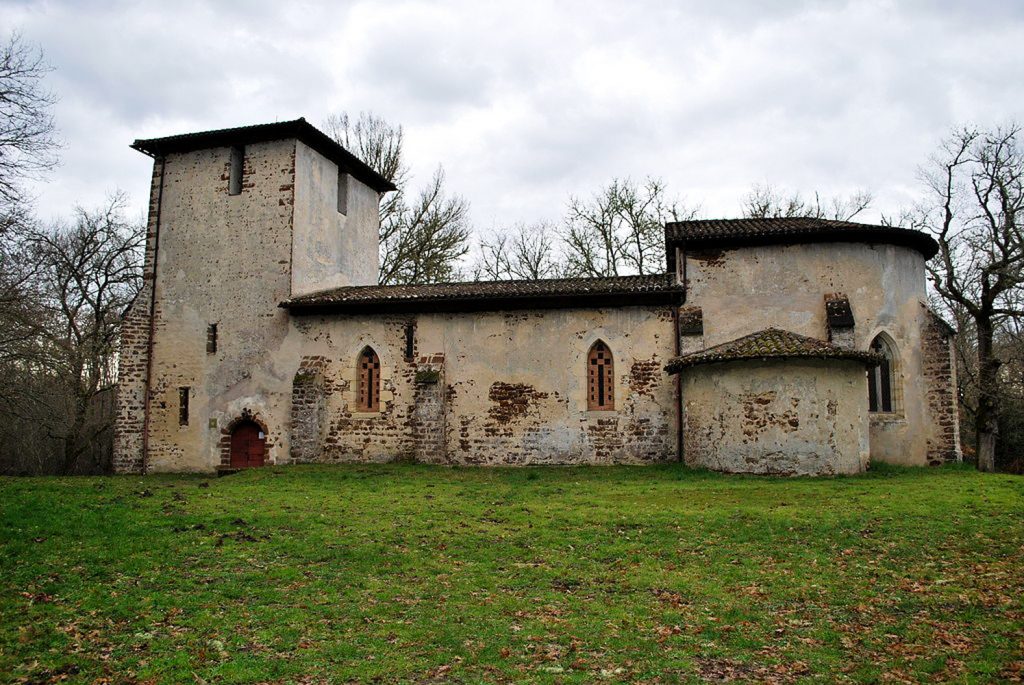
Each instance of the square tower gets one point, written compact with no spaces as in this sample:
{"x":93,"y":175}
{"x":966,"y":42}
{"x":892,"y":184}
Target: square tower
{"x":240,"y":220}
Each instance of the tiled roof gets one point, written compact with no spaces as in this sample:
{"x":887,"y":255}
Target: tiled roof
{"x":482,"y":295}
{"x":243,"y":135}
{"x":771,"y":343}
{"x":745,"y":232}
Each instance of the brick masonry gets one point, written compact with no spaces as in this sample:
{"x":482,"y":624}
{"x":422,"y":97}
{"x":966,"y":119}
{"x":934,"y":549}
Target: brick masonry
{"x":939,"y":371}
{"x":309,"y":409}
{"x":130,"y":420}
{"x":428,"y":425}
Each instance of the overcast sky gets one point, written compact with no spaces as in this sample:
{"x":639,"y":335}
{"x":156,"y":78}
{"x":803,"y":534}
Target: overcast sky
{"x":525,"y":103}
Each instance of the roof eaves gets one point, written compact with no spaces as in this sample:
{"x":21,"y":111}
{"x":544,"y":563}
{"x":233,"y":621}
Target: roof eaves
{"x":732,"y":233}
{"x":482,"y":304}
{"x":677,"y":364}
{"x":297,"y":128}
{"x":496,"y":295}
{"x":764,"y":345}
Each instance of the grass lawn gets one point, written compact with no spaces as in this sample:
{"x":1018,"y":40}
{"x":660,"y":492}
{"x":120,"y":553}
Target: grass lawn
{"x":424,"y":574}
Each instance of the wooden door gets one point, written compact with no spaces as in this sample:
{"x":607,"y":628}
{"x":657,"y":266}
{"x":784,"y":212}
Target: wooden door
{"x":248,"y":446}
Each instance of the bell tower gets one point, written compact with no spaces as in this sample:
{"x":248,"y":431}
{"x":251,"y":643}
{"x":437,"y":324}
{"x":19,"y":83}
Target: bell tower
{"x":240,"y":220}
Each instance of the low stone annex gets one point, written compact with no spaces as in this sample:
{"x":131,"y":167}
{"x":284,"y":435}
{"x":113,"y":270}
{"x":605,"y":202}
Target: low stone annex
{"x":782,"y":346}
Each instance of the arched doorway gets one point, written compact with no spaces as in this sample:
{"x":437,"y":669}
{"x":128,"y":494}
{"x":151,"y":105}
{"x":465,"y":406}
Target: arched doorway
{"x":248,"y":445}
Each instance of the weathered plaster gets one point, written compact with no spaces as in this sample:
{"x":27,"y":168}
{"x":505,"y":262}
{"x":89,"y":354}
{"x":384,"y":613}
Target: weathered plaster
{"x":511,"y":390}
{"x":748,"y":289}
{"x":331,"y":249}
{"x":783,"y":417}
{"x":222,"y":259}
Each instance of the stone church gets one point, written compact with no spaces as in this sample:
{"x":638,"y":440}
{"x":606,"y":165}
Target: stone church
{"x":776,"y":346}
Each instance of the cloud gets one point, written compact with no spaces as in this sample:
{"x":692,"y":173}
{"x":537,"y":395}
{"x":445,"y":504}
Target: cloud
{"x":526,"y":103}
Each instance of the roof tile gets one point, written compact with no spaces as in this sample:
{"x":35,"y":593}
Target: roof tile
{"x":568,"y":290}
{"x":242,"y":135}
{"x":742,"y":232}
{"x":771,"y":343}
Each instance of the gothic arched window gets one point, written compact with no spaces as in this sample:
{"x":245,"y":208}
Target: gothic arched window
{"x":882,"y":379}
{"x":600,"y":378}
{"x":368,"y":397}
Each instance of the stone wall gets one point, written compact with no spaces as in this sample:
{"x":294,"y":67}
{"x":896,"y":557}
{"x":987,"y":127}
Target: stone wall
{"x":222,"y":259}
{"x":331,"y":249}
{"x":133,"y":355}
{"x":429,"y":414}
{"x":354,"y":435}
{"x":518,"y":386}
{"x":497,"y":387}
{"x":939,"y":372}
{"x":744,"y":290}
{"x":309,"y":410}
{"x":781,"y":417}
{"x":227,"y":260}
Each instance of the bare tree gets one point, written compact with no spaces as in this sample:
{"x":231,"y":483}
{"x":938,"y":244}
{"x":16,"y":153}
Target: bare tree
{"x":525,"y":252}
{"x":19,"y":298}
{"x":27,"y":135}
{"x":423,"y":235}
{"x":767,"y":202}
{"x":976,"y":185}
{"x":425,"y":241}
{"x":27,"y":149}
{"x":89,"y":272}
{"x":379,"y":144}
{"x":373,"y":140}
{"x":620,"y":229}
{"x":493,"y":263}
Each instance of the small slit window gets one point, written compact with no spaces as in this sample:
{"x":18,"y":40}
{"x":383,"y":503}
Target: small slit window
{"x":410,"y":340}
{"x":183,"y":406}
{"x":368,"y":396}
{"x":235,"y":174}
{"x":600,"y":378}
{"x":882,"y":379}
{"x":211,"y":338}
{"x":342,"y":192}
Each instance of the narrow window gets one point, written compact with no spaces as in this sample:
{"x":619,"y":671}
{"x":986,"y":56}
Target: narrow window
{"x":235,"y":178}
{"x":183,"y":406}
{"x":881,"y":379}
{"x":600,"y":378}
{"x":342,"y":192}
{"x":410,"y":340}
{"x":211,"y":338}
{"x":369,"y":381}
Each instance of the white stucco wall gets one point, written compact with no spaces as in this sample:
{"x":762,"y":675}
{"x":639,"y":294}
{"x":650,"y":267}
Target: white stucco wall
{"x":331,"y":249}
